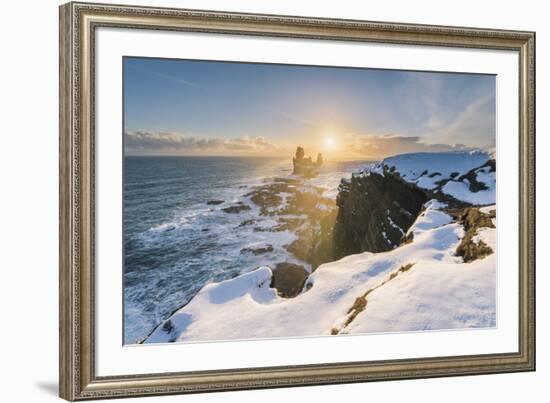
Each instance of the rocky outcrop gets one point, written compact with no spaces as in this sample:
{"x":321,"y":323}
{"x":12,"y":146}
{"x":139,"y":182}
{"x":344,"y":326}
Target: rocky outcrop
{"x":288,"y":279}
{"x":375,"y":212}
{"x":378,"y":205}
{"x":257,"y":249}
{"x":237,"y":208}
{"x":301,"y":208}
{"x":473,"y":219}
{"x":304,"y":165}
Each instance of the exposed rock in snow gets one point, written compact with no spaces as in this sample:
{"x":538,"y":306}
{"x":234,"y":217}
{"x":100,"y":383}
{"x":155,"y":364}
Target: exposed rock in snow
{"x":472,"y":246}
{"x":431,"y":220}
{"x":438,"y":291}
{"x":467,"y":176}
{"x":427,"y":169}
{"x":374,"y":213}
{"x":379,"y":204}
{"x":288,"y":279}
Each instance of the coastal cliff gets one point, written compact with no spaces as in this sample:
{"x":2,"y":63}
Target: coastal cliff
{"x":374,"y":213}
{"x":378,"y":205}
{"x":432,"y":214}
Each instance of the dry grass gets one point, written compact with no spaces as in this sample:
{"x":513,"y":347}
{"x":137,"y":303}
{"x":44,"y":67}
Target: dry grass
{"x":358,"y":306}
{"x":472,"y":219}
{"x":360,"y":303}
{"x":470,"y":251}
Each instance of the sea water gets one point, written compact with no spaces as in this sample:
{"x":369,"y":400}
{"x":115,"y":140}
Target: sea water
{"x":175,"y":243}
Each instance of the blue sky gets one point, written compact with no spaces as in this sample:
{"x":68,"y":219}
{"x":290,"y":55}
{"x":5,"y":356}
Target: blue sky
{"x":223,"y":108}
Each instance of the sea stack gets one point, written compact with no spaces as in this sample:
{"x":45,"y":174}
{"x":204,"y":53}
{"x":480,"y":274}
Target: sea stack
{"x":304,"y":165}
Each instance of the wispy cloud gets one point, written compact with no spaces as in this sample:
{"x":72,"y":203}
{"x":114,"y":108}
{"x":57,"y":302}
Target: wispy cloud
{"x":210,"y":91}
{"x":169,"y":77}
{"x":477,"y":119}
{"x":147,"y":142}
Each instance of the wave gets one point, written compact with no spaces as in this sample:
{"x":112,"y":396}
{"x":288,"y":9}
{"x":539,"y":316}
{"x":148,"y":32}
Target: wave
{"x":170,"y":255}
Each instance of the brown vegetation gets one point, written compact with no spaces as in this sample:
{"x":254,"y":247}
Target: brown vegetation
{"x":360,"y":303}
{"x":472,"y":219}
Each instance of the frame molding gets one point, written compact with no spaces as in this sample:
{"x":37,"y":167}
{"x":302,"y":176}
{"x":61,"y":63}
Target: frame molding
{"x":78,"y":21}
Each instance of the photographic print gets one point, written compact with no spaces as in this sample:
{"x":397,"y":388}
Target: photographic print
{"x":267,"y":200}
{"x":293,"y":200}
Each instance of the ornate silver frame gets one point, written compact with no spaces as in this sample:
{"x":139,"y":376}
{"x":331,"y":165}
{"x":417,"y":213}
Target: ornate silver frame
{"x":78,"y":22}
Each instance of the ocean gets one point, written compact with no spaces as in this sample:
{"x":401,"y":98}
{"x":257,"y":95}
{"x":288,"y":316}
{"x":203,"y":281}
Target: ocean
{"x":175,"y":242}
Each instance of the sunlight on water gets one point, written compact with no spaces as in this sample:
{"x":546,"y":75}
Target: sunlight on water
{"x":177,"y":236}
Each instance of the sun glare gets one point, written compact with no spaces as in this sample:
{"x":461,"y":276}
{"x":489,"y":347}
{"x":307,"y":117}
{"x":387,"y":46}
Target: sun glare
{"x":329,"y":142}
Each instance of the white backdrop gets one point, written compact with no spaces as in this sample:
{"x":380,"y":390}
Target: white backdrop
{"x":28,"y":203}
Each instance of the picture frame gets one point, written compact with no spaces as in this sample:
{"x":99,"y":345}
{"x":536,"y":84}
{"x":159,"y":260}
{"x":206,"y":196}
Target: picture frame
{"x":79,"y":23}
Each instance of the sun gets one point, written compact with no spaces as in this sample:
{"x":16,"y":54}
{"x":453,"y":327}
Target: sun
{"x":329,"y":142}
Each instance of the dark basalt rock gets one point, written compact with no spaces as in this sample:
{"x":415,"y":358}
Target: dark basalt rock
{"x":268,"y":198}
{"x":288,"y":279}
{"x":323,"y":241}
{"x":370,"y":208}
{"x":247,"y":222}
{"x":474,"y":184}
{"x":307,"y":213}
{"x":304,"y":165}
{"x":258,"y":249}
{"x":237,"y":208}
{"x":214,"y":202}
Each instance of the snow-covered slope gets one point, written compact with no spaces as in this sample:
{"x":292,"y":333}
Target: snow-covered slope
{"x":421,"y":285}
{"x":468,"y":176}
{"x":436,"y":293}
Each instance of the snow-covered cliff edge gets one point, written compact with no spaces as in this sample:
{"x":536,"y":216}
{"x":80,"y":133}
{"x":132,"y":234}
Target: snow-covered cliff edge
{"x":378,"y":205}
{"x":438,"y":273}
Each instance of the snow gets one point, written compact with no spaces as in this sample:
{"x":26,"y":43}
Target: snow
{"x":430,"y":218}
{"x":419,"y":166}
{"x":488,"y":209}
{"x":430,"y":170}
{"x":488,"y":237}
{"x":394,"y":225}
{"x":247,"y":289}
{"x":435,"y":295}
{"x":432,"y":296}
{"x":438,"y":292}
{"x":461,"y":191}
{"x":386,"y":237}
{"x":435,"y":204}
{"x":418,"y":286}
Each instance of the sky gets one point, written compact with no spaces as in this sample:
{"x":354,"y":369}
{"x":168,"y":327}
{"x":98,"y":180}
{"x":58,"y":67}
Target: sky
{"x":187,"y":107}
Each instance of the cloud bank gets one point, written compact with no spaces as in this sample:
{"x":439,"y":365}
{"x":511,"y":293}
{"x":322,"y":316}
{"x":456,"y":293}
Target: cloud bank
{"x":350,"y":145}
{"x":147,"y":142}
{"x":381,"y":146}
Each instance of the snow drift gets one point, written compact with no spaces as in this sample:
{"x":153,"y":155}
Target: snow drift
{"x":420,"y":284}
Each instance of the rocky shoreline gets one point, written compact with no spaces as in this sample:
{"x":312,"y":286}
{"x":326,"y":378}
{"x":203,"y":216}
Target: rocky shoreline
{"x":373,"y":212}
